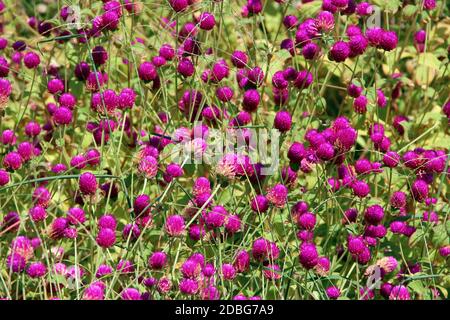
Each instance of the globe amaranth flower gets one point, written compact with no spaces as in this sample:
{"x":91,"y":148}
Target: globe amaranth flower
{"x":37,"y":270}
{"x":185,"y":67}
{"x":228,"y":271}
{"x":419,"y":190}
{"x":94,"y":292}
{"x":99,"y":55}
{"x":207,"y":21}
{"x":62,"y":116}
{"x":239,"y":59}
{"x":188,"y":286}
{"x":398,"y":200}
{"x":157,"y":260}
{"x":242,"y":261}
{"x":399,"y":293}
{"x":308,"y":256}
{"x":4,"y":178}
{"x":333,"y":292}
{"x":306,"y":221}
{"x":130,"y":294}
{"x":106,"y":238}
{"x":283,"y":121}
{"x":360,"y":188}
{"x":148,"y":167}
{"x":303,"y":80}
{"x":251,"y":100}
{"x":339,"y":51}
{"x":31,"y":60}
{"x":88,"y":183}
{"x":15,"y":262}
{"x":37,"y":213}
{"x":107,"y":221}
{"x":277,"y":195}
{"x":8,"y":136}
{"x":174,"y":225}
{"x":12,"y":160}
{"x":374,"y":214}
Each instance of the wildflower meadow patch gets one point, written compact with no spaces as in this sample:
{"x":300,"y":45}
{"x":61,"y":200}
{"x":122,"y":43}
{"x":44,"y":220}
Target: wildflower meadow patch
{"x":232,"y":150}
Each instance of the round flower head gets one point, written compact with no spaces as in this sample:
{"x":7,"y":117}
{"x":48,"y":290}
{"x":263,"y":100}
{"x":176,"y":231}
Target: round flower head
{"x":103,"y":270}
{"x":232,"y":224}
{"x":283,"y":121}
{"x":23,"y":246}
{"x":391,"y":159}
{"x":131,"y":232}
{"x":308,"y":255}
{"x":242,"y":261}
{"x":188,"y":286}
{"x":82,"y":70}
{"x":93,"y":292}
{"x":15,"y":262}
{"x":306,"y":221}
{"x":37,"y":270}
{"x":444,"y":251}
{"x":107,"y":221}
{"x":88,"y":183}
{"x":78,"y":161}
{"x":57,"y":228}
{"x":303,"y":80}
{"x":8,"y":136}
{"x":174,"y":225}
{"x":360,"y":188}
{"x":374,"y":214}
{"x":210,"y":293}
{"x":32,"y":129}
{"x":419,"y":190}
{"x":325,"y":151}
{"x":62,"y":116}
{"x":186,"y":67}
{"x":130,"y":294}
{"x":99,"y":55}
{"x":239,"y":59}
{"x":12,"y":161}
{"x":278,"y":195}
{"x":207,"y":21}
{"x":41,"y":197}
{"x":360,"y":104}
{"x":333,"y":293}
{"x":398,"y":200}
{"x":37,"y":213}
{"x":166,"y":51}
{"x":388,"y":40}
{"x":399,"y":293}
{"x":251,"y":100}
{"x":4,"y":67}
{"x":147,"y":72}
{"x":11,"y":222}
{"x":106,"y":238}
{"x":356,"y":245}
{"x":31,"y":60}
{"x":224,"y":94}
{"x":260,"y":204}
{"x":4,"y":178}
{"x":339,"y":51}
{"x":178,"y":5}
{"x":261,"y":249}
{"x":364,"y":9}
{"x":148,"y":167}
{"x":429,"y":4}
{"x":142,"y":205}
{"x":228,"y":271}
{"x":311,"y":51}
{"x":157,"y":260}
